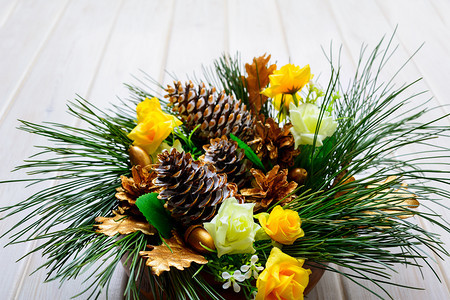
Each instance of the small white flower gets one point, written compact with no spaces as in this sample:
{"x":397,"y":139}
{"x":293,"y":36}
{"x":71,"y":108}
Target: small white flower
{"x":252,"y":269}
{"x":231,"y":280}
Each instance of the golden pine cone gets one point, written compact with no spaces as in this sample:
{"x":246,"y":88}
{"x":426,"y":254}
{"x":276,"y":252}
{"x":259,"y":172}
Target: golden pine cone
{"x":274,"y":143}
{"x":139,"y":184}
{"x":270,"y":188}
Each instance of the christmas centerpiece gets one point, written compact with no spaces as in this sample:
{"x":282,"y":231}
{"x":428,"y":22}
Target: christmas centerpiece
{"x":239,"y":186}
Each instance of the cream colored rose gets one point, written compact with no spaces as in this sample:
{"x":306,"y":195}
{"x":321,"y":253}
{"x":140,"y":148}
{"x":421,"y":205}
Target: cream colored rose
{"x":305,"y":118}
{"x":233,"y":228}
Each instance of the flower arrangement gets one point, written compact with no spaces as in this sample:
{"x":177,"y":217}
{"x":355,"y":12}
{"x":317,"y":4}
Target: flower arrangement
{"x":247,"y":190}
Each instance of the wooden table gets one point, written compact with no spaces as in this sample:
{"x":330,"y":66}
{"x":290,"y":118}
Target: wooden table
{"x":51,"y":50}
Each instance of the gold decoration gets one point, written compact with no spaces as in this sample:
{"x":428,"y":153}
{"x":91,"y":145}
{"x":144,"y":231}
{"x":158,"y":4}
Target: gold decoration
{"x":269,"y":189}
{"x":401,"y":198}
{"x":161,"y":257}
{"x":298,"y":175}
{"x":138,"y":157}
{"x":196,"y":236}
{"x":122,"y":224}
{"x":346,"y":181}
{"x":274,"y":143}
{"x":257,"y":79}
{"x":139,"y":184}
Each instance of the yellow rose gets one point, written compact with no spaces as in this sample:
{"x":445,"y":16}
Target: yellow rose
{"x":284,"y":278}
{"x":289,"y":79}
{"x":153,"y":127}
{"x":282,"y":225}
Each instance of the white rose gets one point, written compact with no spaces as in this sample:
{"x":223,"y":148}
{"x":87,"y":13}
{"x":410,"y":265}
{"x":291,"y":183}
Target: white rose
{"x":305,"y":118}
{"x":233,"y":229}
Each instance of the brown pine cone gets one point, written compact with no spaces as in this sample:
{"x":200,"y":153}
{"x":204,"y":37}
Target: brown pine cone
{"x":227,"y":158}
{"x":139,"y":184}
{"x":269,"y":189}
{"x":273,"y":143}
{"x":192,"y":189}
{"x":217,"y":113}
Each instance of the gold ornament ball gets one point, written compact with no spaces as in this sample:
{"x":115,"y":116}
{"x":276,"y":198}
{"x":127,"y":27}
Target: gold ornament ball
{"x":196,"y":236}
{"x":138,"y":156}
{"x":298,"y":175}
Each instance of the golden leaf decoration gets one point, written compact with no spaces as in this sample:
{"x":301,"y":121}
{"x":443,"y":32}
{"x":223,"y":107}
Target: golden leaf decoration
{"x":256,"y":80}
{"x":337,"y":180}
{"x":401,"y":198}
{"x":161,"y":257}
{"x":122,"y":224}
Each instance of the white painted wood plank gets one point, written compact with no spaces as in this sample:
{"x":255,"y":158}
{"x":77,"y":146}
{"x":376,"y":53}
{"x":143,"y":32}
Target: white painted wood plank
{"x":197,"y":37}
{"x":135,"y":19}
{"x":442,"y":9}
{"x":255,"y":28}
{"x":405,"y":276}
{"x":329,"y":284}
{"x":196,"y":34}
{"x":366,"y":25}
{"x":320,"y":17}
{"x":421,"y":22}
{"x":138,"y":42}
{"x":22,"y":38}
{"x":433,"y":62}
{"x":90,"y":16}
{"x":66,"y":65}
{"x":6,"y":9}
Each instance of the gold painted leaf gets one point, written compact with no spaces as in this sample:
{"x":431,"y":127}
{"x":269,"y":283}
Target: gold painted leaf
{"x":257,"y":79}
{"x":401,"y":199}
{"x":161,"y":258}
{"x":122,"y":224}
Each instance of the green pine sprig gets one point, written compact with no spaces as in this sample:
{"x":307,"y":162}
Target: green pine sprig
{"x":362,"y":229}
{"x":370,"y":134}
{"x":81,"y":177}
{"x":227,"y":75}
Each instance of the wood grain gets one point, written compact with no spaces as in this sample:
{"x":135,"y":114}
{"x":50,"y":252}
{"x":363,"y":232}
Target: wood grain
{"x":49,"y":51}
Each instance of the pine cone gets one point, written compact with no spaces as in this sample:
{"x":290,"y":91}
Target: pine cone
{"x":272,"y":142}
{"x":217,"y":113}
{"x":192,"y":189}
{"x":139,"y":184}
{"x":227,"y":158}
{"x":269,"y":189}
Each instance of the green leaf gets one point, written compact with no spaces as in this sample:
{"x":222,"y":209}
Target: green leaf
{"x":153,"y":210}
{"x":248,"y":152}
